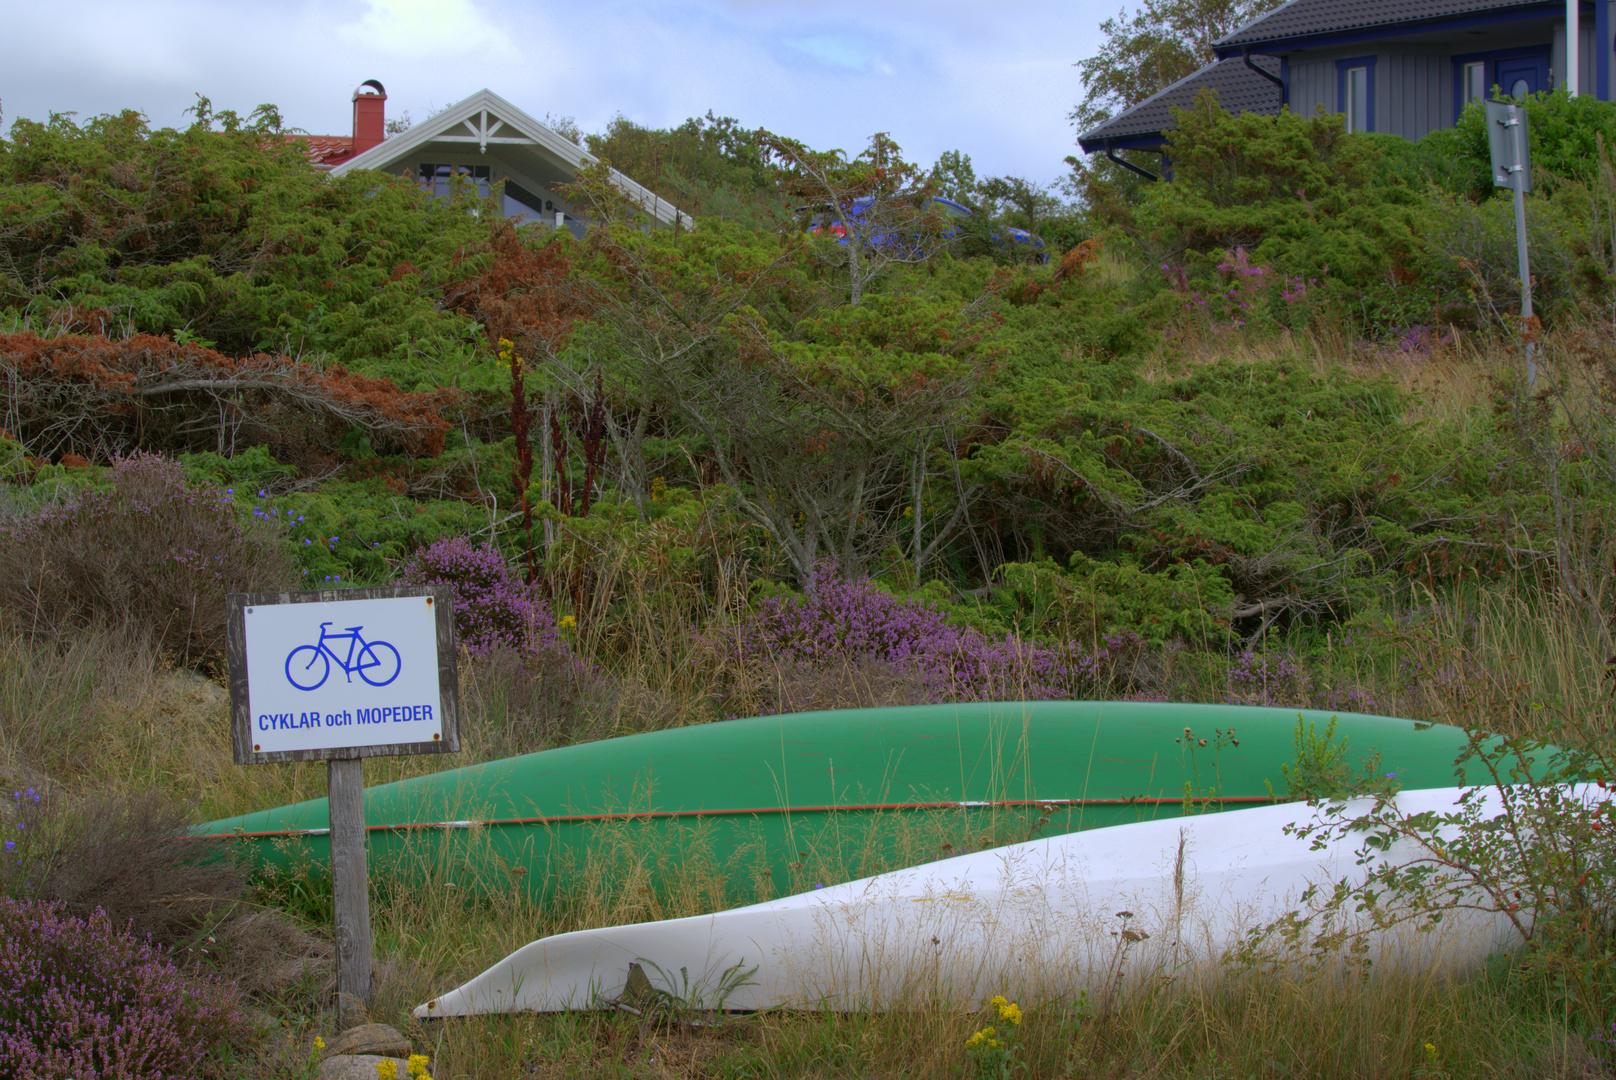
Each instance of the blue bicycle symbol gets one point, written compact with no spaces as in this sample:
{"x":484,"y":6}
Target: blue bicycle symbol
{"x":376,"y":662}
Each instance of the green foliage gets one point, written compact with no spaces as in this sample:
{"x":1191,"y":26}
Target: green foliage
{"x":1162,"y":42}
{"x":1321,"y":769}
{"x":1531,"y":845}
{"x":254,"y":467}
{"x":1094,"y":599}
{"x":353,"y":531}
{"x":1565,"y":132}
{"x":356,"y":532}
{"x":228,"y":238}
{"x":709,"y":166}
{"x":1296,"y":193}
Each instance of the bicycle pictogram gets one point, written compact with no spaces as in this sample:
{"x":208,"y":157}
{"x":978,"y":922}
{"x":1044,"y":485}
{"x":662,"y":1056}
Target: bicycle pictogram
{"x":376,"y":662}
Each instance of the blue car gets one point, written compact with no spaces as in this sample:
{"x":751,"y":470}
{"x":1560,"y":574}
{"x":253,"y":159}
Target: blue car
{"x":826,"y":221}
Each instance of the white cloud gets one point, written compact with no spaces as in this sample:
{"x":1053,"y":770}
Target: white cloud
{"x":426,"y":30}
{"x":937,"y":76}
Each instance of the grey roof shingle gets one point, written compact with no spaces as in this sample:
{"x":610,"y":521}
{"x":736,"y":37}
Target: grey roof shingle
{"x":1239,"y":90}
{"x":1306,"y":18}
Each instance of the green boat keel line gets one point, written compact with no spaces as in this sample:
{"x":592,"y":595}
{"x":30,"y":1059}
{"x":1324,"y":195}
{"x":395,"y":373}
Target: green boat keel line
{"x":776,"y":804}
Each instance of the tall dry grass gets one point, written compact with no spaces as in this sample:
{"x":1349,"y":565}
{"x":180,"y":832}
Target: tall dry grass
{"x":1285,"y":1024}
{"x":102,"y":712}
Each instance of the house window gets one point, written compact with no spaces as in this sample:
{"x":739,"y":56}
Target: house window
{"x":436,"y":178}
{"x":1474,"y":82}
{"x":1357,"y":99}
{"x":1355,"y":91}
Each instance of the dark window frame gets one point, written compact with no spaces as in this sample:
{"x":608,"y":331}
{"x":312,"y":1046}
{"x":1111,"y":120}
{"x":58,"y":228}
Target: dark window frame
{"x":480,"y":175}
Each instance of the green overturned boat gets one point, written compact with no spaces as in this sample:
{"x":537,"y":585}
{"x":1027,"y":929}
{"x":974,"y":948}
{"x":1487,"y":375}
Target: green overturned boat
{"x":756,"y":808}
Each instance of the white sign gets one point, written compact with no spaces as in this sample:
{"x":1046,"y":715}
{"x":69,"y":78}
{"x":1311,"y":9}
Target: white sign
{"x":332,"y":675}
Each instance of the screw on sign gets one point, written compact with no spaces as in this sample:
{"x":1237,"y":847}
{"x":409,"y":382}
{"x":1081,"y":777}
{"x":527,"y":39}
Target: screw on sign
{"x":301,"y":691}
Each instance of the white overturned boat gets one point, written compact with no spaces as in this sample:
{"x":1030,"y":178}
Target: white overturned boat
{"x":1039,"y":920}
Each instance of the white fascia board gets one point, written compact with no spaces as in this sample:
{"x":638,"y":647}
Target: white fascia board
{"x":448,"y":126}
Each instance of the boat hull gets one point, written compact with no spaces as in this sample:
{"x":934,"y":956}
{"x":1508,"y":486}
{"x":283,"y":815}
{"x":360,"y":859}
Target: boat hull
{"x":761,"y":807}
{"x":1044,"y":920}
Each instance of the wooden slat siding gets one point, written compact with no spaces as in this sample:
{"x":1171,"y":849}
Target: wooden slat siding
{"x":1392,"y":94}
{"x":1311,"y":89}
{"x":1410,"y":92}
{"x":1588,"y":73}
{"x":448,"y":673}
{"x":1585,"y":56}
{"x":1441,"y":110}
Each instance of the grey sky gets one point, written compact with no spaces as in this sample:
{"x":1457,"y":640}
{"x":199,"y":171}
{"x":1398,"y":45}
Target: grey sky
{"x":993,"y":80}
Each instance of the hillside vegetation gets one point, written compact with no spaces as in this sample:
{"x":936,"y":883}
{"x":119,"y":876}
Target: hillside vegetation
{"x":1262,"y":435}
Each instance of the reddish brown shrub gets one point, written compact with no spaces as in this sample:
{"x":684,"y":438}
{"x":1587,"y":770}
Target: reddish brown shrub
{"x":522,"y":293}
{"x":97,"y":397}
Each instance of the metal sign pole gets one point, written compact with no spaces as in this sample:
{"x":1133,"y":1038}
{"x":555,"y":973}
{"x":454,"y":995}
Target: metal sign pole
{"x":345,"y":785}
{"x":1526,"y":285}
{"x":1510,"y":150}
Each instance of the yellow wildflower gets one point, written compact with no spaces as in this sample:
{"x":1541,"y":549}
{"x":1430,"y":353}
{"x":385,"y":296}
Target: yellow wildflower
{"x":567,"y":622}
{"x":1009,"y":1011}
{"x":319,"y":1043}
{"x":386,"y":1070}
{"x":417,"y":1067}
{"x":984,"y":1038}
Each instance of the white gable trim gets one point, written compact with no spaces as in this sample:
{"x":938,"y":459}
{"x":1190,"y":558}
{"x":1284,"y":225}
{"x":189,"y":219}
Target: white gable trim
{"x":470,"y":122}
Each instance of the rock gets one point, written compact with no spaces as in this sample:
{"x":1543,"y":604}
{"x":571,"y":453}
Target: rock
{"x":377,"y":1040}
{"x":360,"y":1066}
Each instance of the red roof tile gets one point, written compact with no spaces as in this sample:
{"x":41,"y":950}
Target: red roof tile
{"x":325,"y":151}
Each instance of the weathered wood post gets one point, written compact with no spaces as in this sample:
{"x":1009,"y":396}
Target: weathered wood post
{"x":308,"y":682}
{"x":350,"y":888}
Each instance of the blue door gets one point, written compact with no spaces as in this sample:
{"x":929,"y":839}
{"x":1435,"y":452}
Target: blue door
{"x":1522,"y":75}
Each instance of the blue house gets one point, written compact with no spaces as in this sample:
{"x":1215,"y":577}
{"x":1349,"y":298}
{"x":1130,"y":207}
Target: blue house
{"x":1407,"y":67}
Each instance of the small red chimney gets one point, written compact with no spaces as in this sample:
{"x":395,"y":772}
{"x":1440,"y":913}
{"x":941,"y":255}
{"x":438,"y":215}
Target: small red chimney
{"x":369,"y":116}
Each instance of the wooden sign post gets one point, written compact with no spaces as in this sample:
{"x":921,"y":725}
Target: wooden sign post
{"x":340,"y":675}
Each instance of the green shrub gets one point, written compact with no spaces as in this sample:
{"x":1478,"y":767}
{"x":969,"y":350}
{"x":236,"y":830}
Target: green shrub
{"x":1296,"y":193}
{"x":1565,"y":132}
{"x":1532,"y":844}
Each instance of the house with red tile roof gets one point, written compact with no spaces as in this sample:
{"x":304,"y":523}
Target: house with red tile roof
{"x":487,"y":141}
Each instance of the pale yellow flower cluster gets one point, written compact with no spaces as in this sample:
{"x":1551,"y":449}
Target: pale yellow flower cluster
{"x":984,"y":1038}
{"x":1009,"y":1011}
{"x":416,"y":1067}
